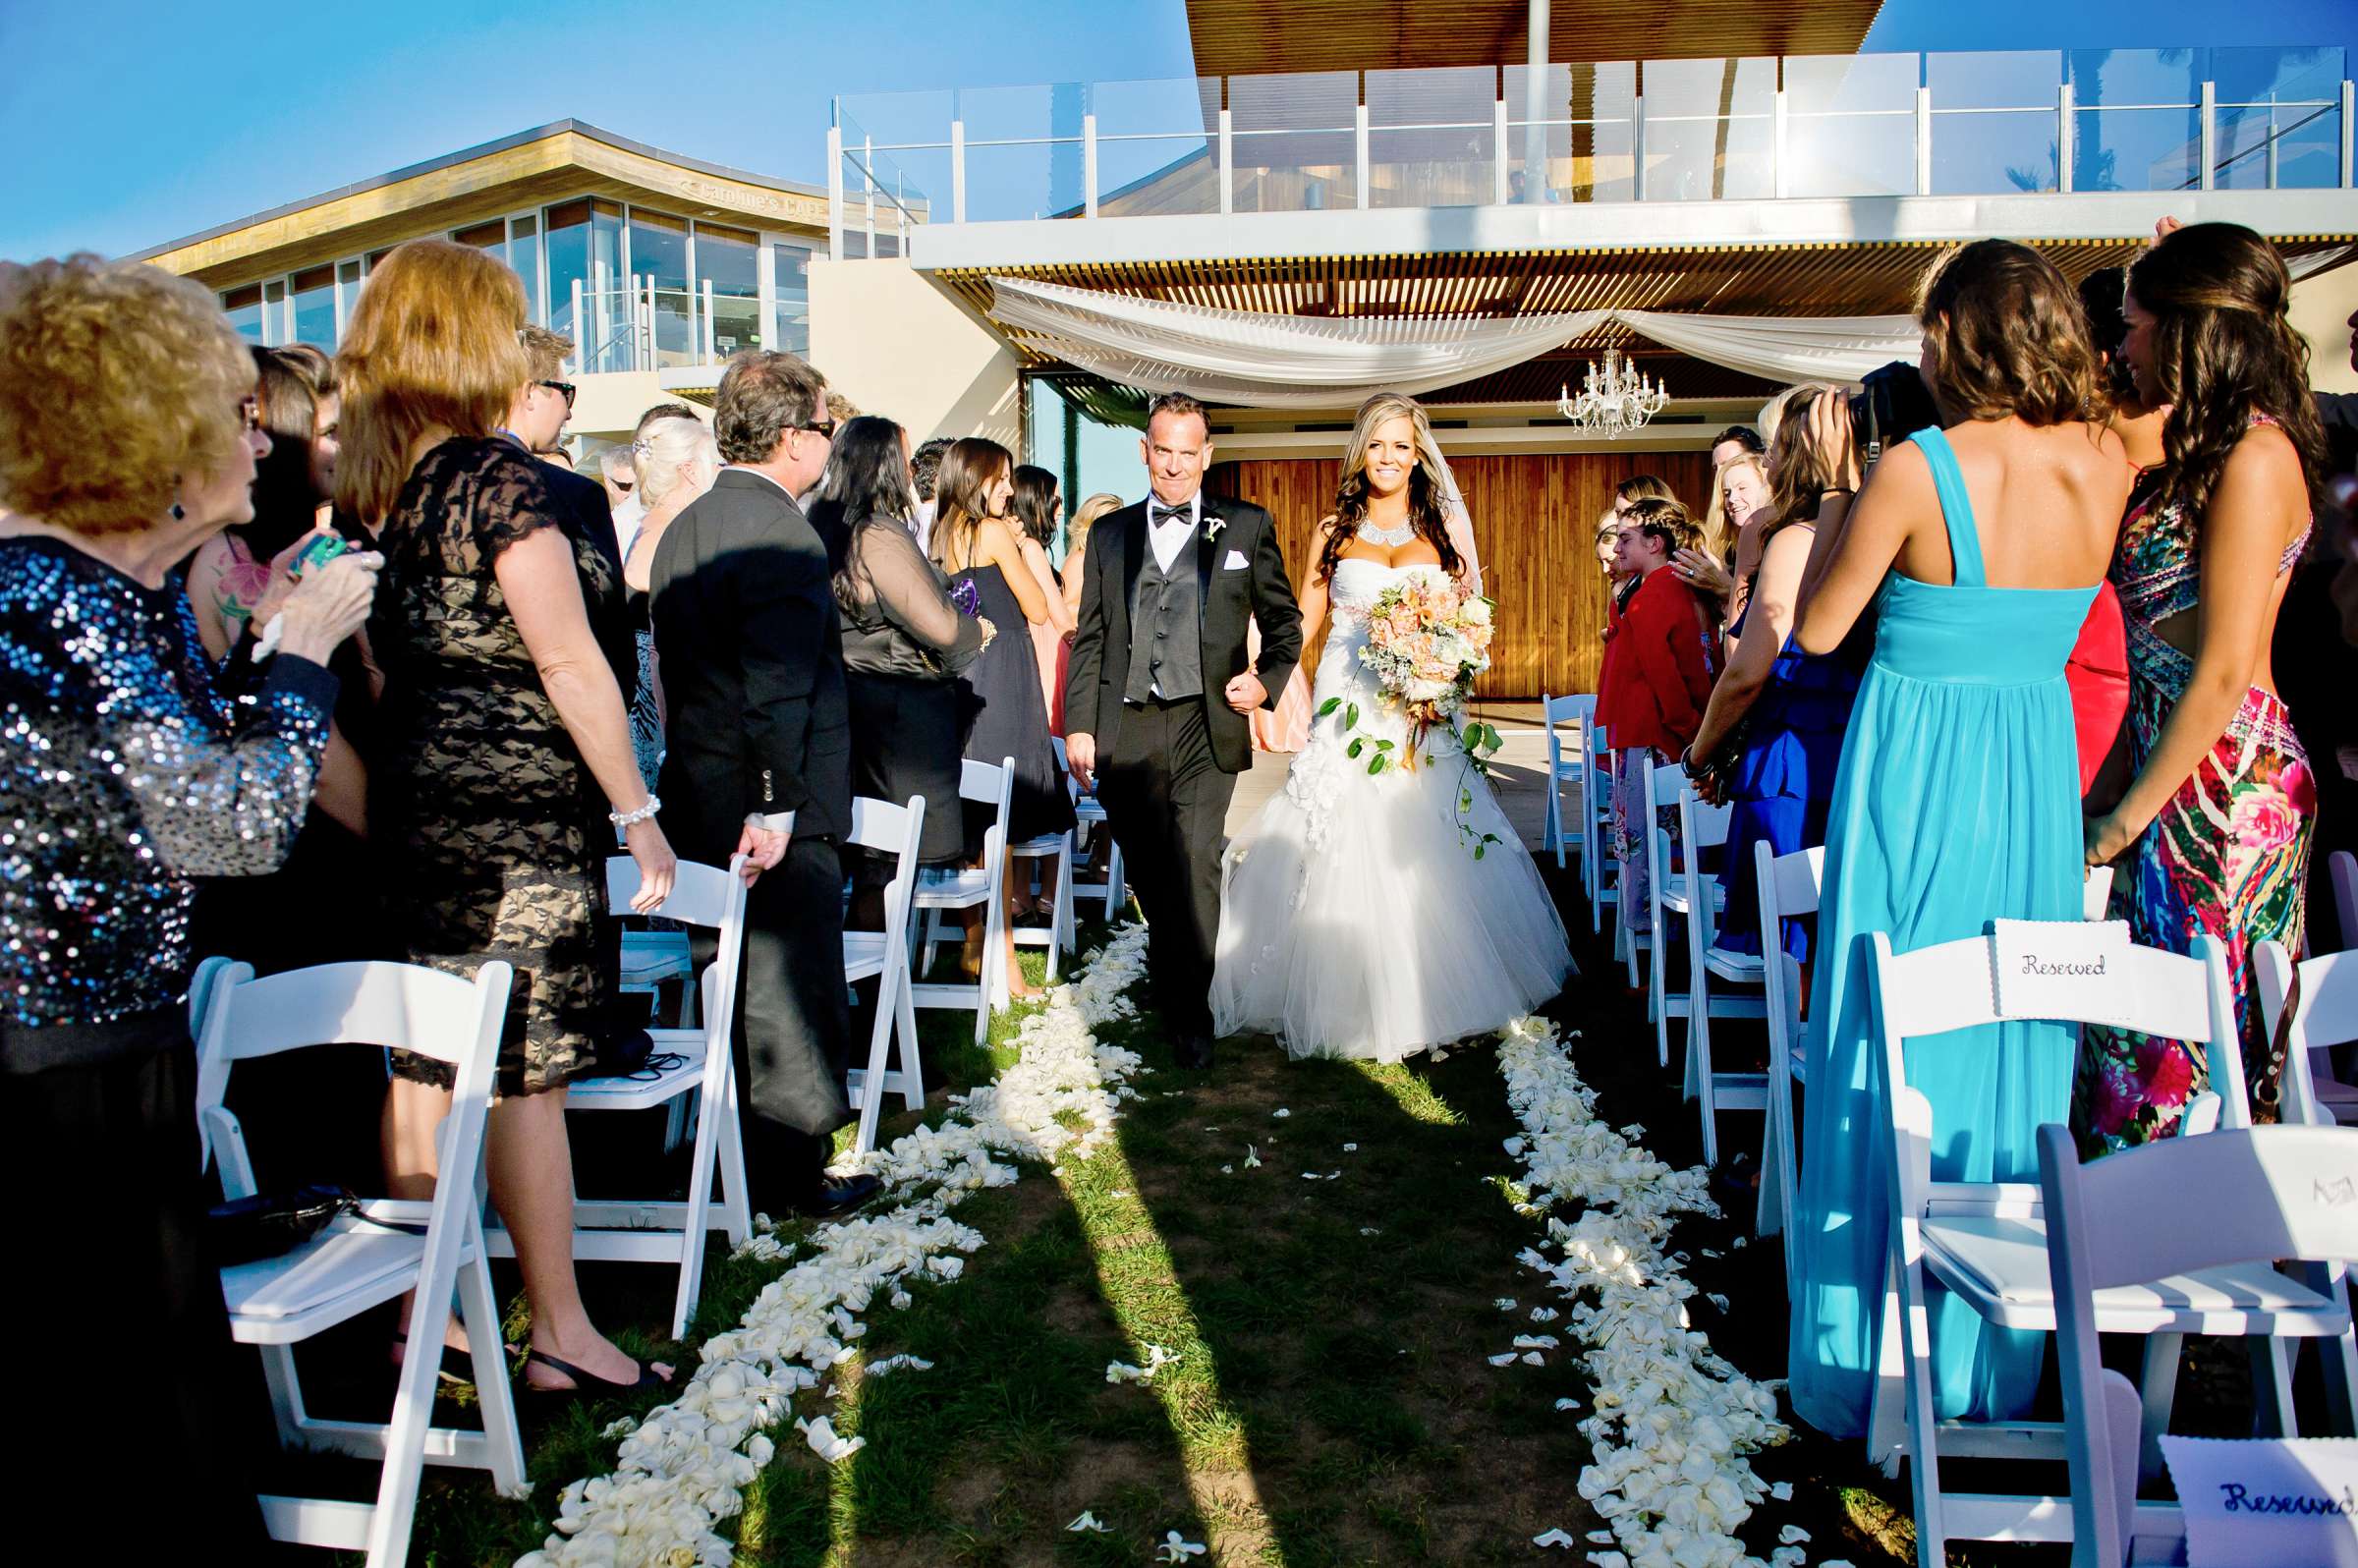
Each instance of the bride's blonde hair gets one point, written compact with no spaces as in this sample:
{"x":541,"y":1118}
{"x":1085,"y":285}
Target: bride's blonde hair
{"x":1427,"y":490}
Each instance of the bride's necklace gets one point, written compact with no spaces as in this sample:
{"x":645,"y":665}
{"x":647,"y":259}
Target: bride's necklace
{"x":1389,"y":538}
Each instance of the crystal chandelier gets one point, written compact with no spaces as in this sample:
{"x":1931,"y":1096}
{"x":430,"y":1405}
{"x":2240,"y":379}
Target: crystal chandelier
{"x":1621,"y":398}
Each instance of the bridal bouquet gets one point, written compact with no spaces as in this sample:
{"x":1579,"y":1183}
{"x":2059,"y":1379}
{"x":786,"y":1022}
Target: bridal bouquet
{"x":1426,"y":641}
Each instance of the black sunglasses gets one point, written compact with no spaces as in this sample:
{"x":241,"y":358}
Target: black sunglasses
{"x":825,"y":428}
{"x":563,"y":389}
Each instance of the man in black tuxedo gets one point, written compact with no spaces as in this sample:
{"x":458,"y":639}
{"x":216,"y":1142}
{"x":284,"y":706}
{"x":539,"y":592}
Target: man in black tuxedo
{"x":759,"y":762}
{"x":1160,"y":694}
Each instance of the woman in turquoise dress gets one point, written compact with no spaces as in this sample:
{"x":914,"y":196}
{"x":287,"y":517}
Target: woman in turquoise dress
{"x":1957,"y":798}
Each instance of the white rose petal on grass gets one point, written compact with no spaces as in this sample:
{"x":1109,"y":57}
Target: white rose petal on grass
{"x":1502,"y":1359}
{"x":822,"y":1436}
{"x":1350,"y":1148}
{"x":1532,"y":1358}
{"x":620,"y":1429}
{"x":1088,"y":1522}
{"x":1553,"y":1537}
{"x":1278,"y":1115}
{"x":1569,"y":1404}
{"x":1782,"y":1491}
{"x":1608,"y":1560}
{"x":1251,"y":1156}
{"x":1544,"y":1315}
{"x":1369,"y":1230}
{"x":1600,"y":1537}
{"x":1787,"y":1558}
{"x":1176,"y":1547}
{"x":1505,"y":1304}
{"x":1536,"y":1342}
{"x":1791,"y":1536}
{"x":1228,"y":1170}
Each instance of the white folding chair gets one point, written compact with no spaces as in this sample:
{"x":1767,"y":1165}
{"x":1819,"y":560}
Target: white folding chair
{"x":1091,"y":815}
{"x":1628,"y":944}
{"x":362,"y":1261}
{"x":1555,"y":712}
{"x":1596,"y":812}
{"x":1668,"y":895}
{"x":649,"y":959}
{"x":1789,"y":888}
{"x":894,"y":830}
{"x":2327,"y":1016}
{"x":2240,"y":1200}
{"x":2324,"y":1015}
{"x":702,"y":1066}
{"x":1058,"y":937}
{"x":955,"y":888}
{"x":1702,"y":827}
{"x":1986,"y":1243}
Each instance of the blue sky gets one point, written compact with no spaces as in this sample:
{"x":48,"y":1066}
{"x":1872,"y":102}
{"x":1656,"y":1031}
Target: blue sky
{"x":132,"y":122}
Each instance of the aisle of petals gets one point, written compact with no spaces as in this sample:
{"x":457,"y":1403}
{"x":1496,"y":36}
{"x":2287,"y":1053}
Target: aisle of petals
{"x":685,"y":1467}
{"x":1672,"y":1422}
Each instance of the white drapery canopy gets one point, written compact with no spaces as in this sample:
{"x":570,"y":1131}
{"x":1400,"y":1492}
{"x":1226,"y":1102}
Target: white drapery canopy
{"x":1267,"y":360}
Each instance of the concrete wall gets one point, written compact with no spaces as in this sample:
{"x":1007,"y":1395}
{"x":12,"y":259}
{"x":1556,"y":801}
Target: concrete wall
{"x":897,"y":346}
{"x":2320,"y":311}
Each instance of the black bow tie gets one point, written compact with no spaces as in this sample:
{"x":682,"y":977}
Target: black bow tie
{"x":1157,"y":513}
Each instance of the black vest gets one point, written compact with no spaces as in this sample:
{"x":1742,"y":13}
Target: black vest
{"x":1166,"y":627}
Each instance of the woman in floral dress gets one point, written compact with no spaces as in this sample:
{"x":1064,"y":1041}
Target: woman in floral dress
{"x":2217,"y":825}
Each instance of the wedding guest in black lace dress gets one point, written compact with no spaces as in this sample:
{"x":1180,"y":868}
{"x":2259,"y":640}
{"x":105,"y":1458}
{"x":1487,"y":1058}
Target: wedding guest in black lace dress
{"x":127,"y":438}
{"x":503,"y":748}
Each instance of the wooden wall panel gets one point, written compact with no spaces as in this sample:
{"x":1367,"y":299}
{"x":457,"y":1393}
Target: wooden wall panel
{"x":1533,"y":519}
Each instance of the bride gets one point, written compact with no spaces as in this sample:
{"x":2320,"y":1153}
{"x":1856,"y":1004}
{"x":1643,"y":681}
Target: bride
{"x":1375,"y":916}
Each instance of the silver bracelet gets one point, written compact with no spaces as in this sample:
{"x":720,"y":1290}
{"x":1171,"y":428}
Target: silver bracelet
{"x":654,"y":803}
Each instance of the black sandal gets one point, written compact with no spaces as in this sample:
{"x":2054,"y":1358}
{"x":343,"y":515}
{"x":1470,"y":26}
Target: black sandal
{"x":458,"y":1366}
{"x":588,"y":1381}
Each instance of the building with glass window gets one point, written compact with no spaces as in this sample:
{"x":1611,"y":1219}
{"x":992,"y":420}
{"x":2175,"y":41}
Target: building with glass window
{"x":658,"y":266}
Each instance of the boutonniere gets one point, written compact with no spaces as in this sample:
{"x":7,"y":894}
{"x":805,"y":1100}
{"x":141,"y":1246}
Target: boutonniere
{"x":1212,"y":527}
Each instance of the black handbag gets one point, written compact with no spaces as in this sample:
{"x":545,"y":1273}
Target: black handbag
{"x":247,"y":1230}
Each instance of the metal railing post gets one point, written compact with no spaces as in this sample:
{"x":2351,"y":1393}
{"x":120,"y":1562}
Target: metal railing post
{"x":957,"y":171}
{"x":2064,"y":109}
{"x":1359,"y":139}
{"x":2208,"y":140}
{"x":1089,"y":165}
{"x":2271,"y":146}
{"x":581,"y":330}
{"x":2349,"y":110}
{"x":1498,"y":181}
{"x":711,"y":335}
{"x":868,"y":187}
{"x":834,"y":207}
{"x":647,"y":361}
{"x":1779,"y":185}
{"x":1228,"y":164}
{"x":1924,"y":141}
{"x":1637,"y":147}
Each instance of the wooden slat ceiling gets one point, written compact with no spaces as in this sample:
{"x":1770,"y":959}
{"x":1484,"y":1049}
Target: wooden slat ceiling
{"x":1862,"y":279}
{"x":1250,"y":38}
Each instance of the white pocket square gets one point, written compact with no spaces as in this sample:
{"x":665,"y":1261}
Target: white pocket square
{"x":1236,"y":562}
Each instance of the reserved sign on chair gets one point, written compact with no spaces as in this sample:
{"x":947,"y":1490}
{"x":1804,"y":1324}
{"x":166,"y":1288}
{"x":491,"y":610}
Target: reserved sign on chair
{"x":2061,"y":969}
{"x":2254,"y":1502}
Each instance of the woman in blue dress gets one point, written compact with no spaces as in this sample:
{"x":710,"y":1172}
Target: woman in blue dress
{"x":1957,"y":799}
{"x":1772,"y":736}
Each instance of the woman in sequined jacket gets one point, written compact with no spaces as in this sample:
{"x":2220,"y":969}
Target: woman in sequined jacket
{"x":129,"y":437}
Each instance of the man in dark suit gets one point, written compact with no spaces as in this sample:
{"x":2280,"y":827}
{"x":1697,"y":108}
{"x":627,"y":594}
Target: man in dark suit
{"x":759,"y":762}
{"x":1159,"y":691}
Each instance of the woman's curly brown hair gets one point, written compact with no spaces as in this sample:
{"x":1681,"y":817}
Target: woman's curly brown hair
{"x":116,"y":379}
{"x":2007,"y":337}
{"x":2224,"y":350}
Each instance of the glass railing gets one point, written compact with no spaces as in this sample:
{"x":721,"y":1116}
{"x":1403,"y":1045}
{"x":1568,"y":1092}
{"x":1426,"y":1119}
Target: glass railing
{"x":1759,"y":127}
{"x":648,"y":327}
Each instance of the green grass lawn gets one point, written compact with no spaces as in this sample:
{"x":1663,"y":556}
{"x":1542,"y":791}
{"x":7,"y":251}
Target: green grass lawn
{"x":1330,"y":1402}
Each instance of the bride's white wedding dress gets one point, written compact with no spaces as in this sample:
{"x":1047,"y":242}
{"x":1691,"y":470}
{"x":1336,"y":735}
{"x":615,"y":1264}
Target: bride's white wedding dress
{"x":1355,"y":920}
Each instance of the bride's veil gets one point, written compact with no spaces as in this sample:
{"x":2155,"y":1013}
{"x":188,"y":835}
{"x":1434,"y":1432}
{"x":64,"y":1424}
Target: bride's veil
{"x":1453,"y":506}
